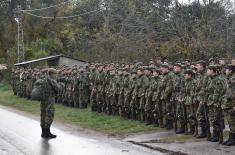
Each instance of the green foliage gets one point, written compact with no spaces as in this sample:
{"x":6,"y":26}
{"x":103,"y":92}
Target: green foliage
{"x":122,"y":31}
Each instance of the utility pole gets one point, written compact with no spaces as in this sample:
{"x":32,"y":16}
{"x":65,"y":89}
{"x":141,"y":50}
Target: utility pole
{"x":20,"y":34}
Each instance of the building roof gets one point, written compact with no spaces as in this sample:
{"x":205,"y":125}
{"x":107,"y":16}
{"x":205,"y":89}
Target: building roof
{"x":45,"y":59}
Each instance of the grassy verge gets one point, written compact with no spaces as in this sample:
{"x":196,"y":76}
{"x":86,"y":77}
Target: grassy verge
{"x":85,"y":118}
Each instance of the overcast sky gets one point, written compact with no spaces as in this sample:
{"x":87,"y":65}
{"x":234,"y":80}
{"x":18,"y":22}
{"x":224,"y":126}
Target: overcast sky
{"x":187,"y":1}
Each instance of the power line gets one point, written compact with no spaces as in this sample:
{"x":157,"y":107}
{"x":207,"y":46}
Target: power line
{"x":49,"y":7}
{"x":60,"y":17}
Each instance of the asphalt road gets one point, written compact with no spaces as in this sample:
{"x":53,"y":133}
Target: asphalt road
{"x":21,"y":135}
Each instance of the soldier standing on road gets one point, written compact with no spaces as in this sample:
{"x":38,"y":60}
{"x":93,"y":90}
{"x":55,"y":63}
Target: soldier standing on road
{"x":47,"y":105}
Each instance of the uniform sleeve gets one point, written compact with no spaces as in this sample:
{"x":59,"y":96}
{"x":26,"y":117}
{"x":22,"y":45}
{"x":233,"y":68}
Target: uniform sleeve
{"x":219,"y":90}
{"x":55,"y":86}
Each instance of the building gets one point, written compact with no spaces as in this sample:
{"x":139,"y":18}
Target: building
{"x":52,"y":61}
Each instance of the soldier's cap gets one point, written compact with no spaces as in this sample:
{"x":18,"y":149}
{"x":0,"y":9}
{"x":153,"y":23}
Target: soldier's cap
{"x":201,"y":62}
{"x":178,"y":64}
{"x":165,"y":65}
{"x":74,"y":73}
{"x":146,"y":68}
{"x":189,"y":71}
{"x":151,"y":62}
{"x":124,"y":69}
{"x":231,"y":67}
{"x":44,"y":70}
{"x":52,"y":71}
{"x":211,"y":59}
{"x":138,"y":64}
{"x":221,"y":58}
{"x":213,"y":67}
{"x":157,"y":70}
{"x":133,"y":71}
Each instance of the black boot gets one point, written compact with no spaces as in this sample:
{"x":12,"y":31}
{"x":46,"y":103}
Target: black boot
{"x":215,"y":137}
{"x":231,"y":140}
{"x":180,"y":130}
{"x":49,"y":134}
{"x":203,"y":133}
{"x":43,"y":135}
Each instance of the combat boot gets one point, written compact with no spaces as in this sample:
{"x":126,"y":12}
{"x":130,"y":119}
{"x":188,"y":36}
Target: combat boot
{"x":215,"y":137}
{"x":49,"y":134}
{"x":180,"y":130}
{"x":43,"y":135}
{"x":231,"y":140}
{"x":203,"y":133}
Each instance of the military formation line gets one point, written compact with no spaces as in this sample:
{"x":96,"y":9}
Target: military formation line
{"x":191,"y":97}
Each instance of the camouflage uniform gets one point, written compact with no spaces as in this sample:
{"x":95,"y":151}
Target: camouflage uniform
{"x":100,"y":90}
{"x":93,"y":87}
{"x":142,"y":94}
{"x":47,"y":106}
{"x":120,"y":93}
{"x":113,"y":94}
{"x":216,"y":90}
{"x":107,"y":105}
{"x":201,"y":83}
{"x":177,"y":98}
{"x":155,"y":101}
{"x":228,"y":106}
{"x":133,"y":97}
{"x":83,"y":81}
{"x":189,"y":109}
{"x":166,"y":91}
{"x":127,"y":94}
{"x":148,"y":107}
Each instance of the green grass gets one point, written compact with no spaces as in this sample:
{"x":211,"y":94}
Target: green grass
{"x":111,"y":125}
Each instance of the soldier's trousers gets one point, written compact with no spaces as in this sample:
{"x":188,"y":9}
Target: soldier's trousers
{"x":191,"y":115}
{"x":93,"y":102}
{"x":113,"y":103}
{"x":107,"y":107}
{"x":167,"y":110}
{"x":47,"y":113}
{"x":83,"y":98}
{"x":201,"y":119}
{"x":230,"y":117}
{"x":148,"y":108}
{"x":141,"y":108}
{"x":215,"y":115}
{"x":100,"y":100}
{"x":180,"y":112}
{"x":127,"y":106}
{"x":133,"y":107}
